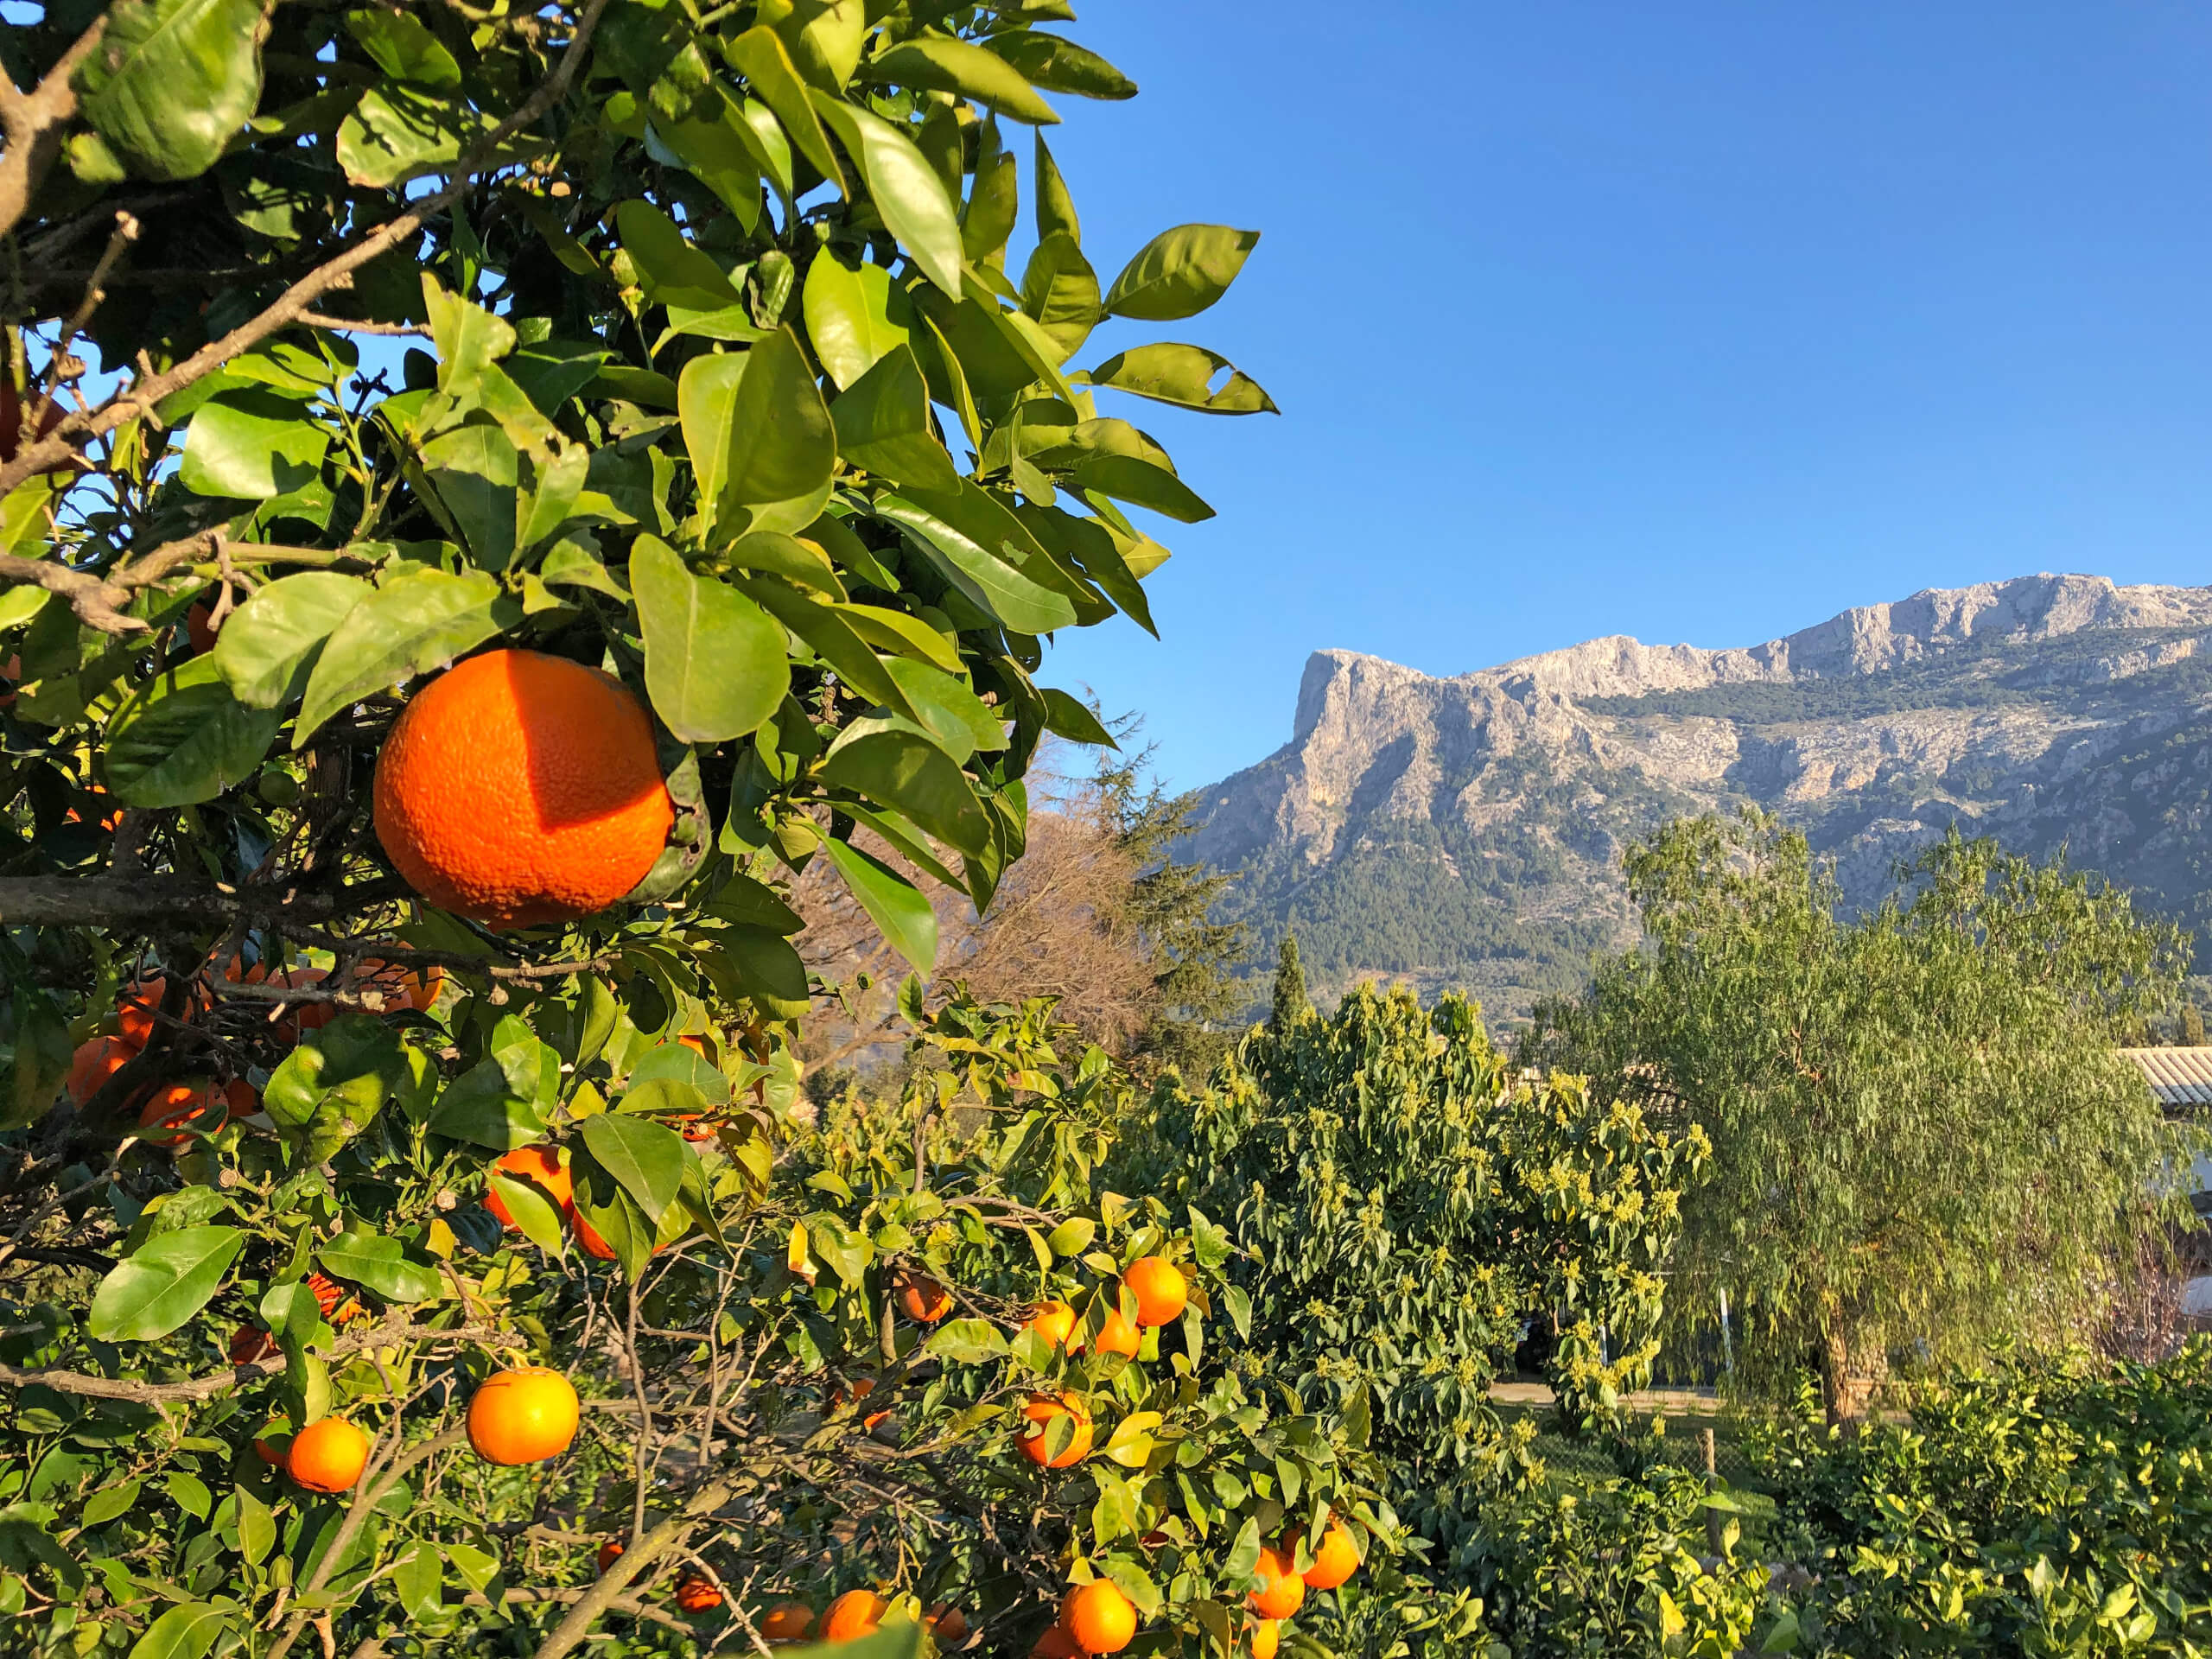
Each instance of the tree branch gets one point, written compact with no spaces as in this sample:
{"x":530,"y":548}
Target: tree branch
{"x":108,"y":900}
{"x":383,"y":1334}
{"x":72,"y":434}
{"x":98,"y":602}
{"x":33,"y":123}
{"x":642,"y":1553}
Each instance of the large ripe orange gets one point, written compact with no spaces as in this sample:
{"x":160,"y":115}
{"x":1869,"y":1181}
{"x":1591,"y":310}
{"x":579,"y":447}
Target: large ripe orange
{"x":519,"y":788}
{"x":328,"y":1456}
{"x":1099,"y":1617}
{"x":947,"y":1624}
{"x":1159,"y":1288}
{"x":1280,"y":1592}
{"x":1055,"y":1322}
{"x":1036,"y":1435}
{"x":1267,"y":1636}
{"x":541,"y":1167}
{"x":1337,"y":1560}
{"x":856,"y":1612}
{"x":134,"y":1008}
{"x":925,"y":1300}
{"x":94,"y":1063}
{"x":695,"y":1594}
{"x":525,"y":1416}
{"x":788,"y":1621}
{"x":1117,"y":1335}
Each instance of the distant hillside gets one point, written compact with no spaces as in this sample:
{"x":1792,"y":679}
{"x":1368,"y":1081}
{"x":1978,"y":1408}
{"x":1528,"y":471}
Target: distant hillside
{"x":1467,"y":831}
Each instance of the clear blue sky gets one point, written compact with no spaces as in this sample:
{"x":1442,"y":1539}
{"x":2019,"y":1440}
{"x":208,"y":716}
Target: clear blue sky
{"x":1698,"y":322}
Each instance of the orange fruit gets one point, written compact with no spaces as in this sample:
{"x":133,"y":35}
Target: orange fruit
{"x":134,"y":1011}
{"x":925,"y":1300}
{"x":524,"y":1416}
{"x":94,"y":1063}
{"x":250,"y":1343}
{"x":1267,"y":1636}
{"x":328,"y":1456}
{"x":947,"y":1623}
{"x":862,"y":1388}
{"x":1040,"y":1411}
{"x":591,"y":1238}
{"x":1056,"y":1644}
{"x":274,"y":1443}
{"x":1099,"y":1617}
{"x":1280,"y":1592}
{"x":1117,"y":1335}
{"x":787,"y":1621}
{"x":609,"y":1553}
{"x":1159,"y":1287}
{"x":1336,"y":1559}
{"x":539,"y":1165}
{"x":855,"y":1613}
{"x":406,"y":985}
{"x":695,"y":1594}
{"x":200,"y":628}
{"x":179,"y":1105}
{"x":519,"y":788}
{"x":1055,"y":1322}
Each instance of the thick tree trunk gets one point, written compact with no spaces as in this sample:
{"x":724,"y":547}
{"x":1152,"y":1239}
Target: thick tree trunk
{"x":1851,"y":1369}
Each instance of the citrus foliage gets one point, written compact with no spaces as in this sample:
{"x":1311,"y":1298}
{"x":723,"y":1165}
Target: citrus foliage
{"x":1891,"y":1097}
{"x":695,"y":360}
{"x":1405,"y":1203}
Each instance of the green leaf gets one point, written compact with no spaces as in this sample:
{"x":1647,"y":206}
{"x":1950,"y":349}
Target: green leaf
{"x":994,"y":586}
{"x":905,"y":189}
{"x":251,"y":446}
{"x":1056,"y":214}
{"x":947,"y":65}
{"x":181,"y":738}
{"x":787,"y":556}
{"x":172,"y":81}
{"x":849,"y":319}
{"x":672,"y":270}
{"x":396,"y":133}
{"x":753,"y":904}
{"x":257,"y":1527}
{"x":899,"y":911}
{"x":646,"y":1158}
{"x":905,"y":771}
{"x":760,"y":436}
{"x":1181,"y":272}
{"x":714,"y":663}
{"x":883,"y":425}
{"x":1061,"y":65}
{"x":1068,"y":717}
{"x":834,"y":641}
{"x":356,"y":1063}
{"x":1183,"y":376}
{"x":475,"y":473}
{"x":109,"y":1502}
{"x":1072,"y":1237}
{"x":380,"y":1263}
{"x":469,"y":339}
{"x":153,"y":1292}
{"x":189,"y":1493}
{"x":268,"y":643}
{"x":760,"y":56}
{"x":404,"y":48}
{"x":1141,"y":484}
{"x":959,"y":720}
{"x":482,"y":1106}
{"x":893,"y":1640}
{"x":1059,"y":290}
{"x":419,"y":1576}
{"x":994,"y":208}
{"x":415,"y":623}
{"x":185,"y":1632}
{"x":721,"y":149}
{"x":532,"y":1208}
{"x":967,"y":1342}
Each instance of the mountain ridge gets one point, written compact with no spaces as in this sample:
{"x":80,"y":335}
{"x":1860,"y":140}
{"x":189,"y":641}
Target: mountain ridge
{"x":1466,"y":831}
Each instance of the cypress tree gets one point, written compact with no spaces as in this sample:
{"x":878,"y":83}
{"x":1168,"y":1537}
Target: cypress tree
{"x":1290,"y":1004}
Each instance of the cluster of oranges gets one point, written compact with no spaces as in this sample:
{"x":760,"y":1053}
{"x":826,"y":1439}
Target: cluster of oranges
{"x":856,"y":1613}
{"x":1161,"y":1292}
{"x":526,"y":1414}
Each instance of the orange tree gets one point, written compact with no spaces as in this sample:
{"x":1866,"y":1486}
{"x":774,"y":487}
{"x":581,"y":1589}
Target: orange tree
{"x":479,"y":506}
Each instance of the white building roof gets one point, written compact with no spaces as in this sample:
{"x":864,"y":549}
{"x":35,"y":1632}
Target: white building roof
{"x":2179,"y":1076}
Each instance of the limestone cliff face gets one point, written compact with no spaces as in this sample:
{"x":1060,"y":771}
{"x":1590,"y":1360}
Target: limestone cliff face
{"x":1467,"y":830}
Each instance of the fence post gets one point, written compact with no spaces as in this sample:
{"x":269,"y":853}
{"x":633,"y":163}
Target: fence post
{"x":1713,"y":1524}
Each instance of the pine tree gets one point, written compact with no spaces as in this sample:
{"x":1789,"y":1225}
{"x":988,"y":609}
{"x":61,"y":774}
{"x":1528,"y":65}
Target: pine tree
{"x":1291,"y":1004}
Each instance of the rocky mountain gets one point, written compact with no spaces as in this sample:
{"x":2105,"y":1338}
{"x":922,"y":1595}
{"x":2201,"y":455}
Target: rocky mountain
{"x":1467,"y":831}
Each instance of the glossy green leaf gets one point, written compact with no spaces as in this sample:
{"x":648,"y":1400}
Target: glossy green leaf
{"x":955,"y":716}
{"x":947,"y":65}
{"x":849,"y":317}
{"x":834,"y":641}
{"x":646,"y":1158}
{"x":404,"y":48}
{"x":720,"y":148}
{"x":715,"y":663}
{"x":1141,"y":484}
{"x":532,"y":1208}
{"x":967,"y":1342}
{"x":418,"y":1576}
{"x":251,"y":446}
{"x":380,"y":1264}
{"x":909,"y":773}
{"x":411,"y":625}
{"x":905,"y":189}
{"x":1181,"y":272}
{"x":483,"y":1106}
{"x":907,"y":636}
{"x":475,"y":473}
{"x":1060,"y":291}
{"x":760,"y":436}
{"x":787,"y":556}
{"x":672,"y":272}
{"x":356,"y":1063}
{"x":991,"y":584}
{"x":153,"y":1291}
{"x":899,"y":911}
{"x":469,"y":339}
{"x":187,"y":1632}
{"x":171,"y":81}
{"x":883,"y":425}
{"x":396,"y":133}
{"x":1071,"y":720}
{"x":1060,"y":66}
{"x":993,"y":209}
{"x":1183,"y":376}
{"x":761,"y":57}
{"x":760,"y":964}
{"x":180,"y":737}
{"x":1055,"y":207}
{"x":268,"y":645}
